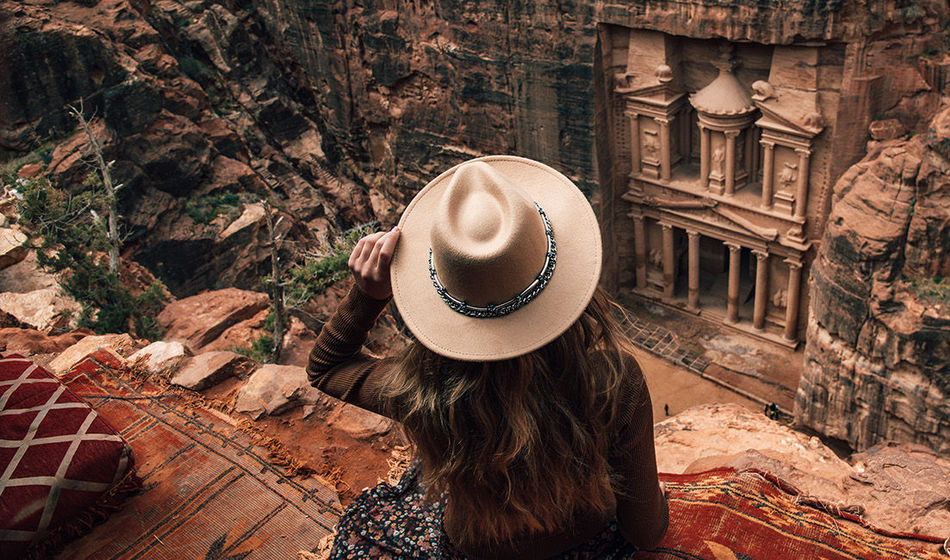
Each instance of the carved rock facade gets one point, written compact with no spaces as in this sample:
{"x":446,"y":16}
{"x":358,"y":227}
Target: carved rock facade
{"x":877,"y":360}
{"x":720,"y":155}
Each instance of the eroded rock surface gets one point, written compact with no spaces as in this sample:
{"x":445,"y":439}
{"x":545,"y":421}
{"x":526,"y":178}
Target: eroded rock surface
{"x":199,"y":320}
{"x":878,"y":341}
{"x":160,"y":357}
{"x":210,"y":368}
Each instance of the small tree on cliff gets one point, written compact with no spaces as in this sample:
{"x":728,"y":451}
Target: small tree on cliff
{"x":109,"y":187}
{"x":75,"y":230}
{"x":275,"y":241}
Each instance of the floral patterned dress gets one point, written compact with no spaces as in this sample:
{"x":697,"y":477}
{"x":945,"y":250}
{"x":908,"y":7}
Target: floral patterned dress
{"x":389,"y":521}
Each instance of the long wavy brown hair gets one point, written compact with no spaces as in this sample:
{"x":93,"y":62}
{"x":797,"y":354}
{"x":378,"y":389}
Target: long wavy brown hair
{"x":520,"y":444}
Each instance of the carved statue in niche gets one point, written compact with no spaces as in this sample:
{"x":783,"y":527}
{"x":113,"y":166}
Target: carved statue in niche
{"x":651,"y":144}
{"x":788,"y":175}
{"x":779,"y":297}
{"x":656,"y":258}
{"x":718,"y":156}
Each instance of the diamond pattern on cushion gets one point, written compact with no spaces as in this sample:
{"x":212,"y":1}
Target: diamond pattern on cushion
{"x":57,"y":457}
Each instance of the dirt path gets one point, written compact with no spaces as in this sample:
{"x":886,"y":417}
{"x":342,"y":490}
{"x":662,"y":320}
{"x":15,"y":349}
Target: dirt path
{"x":680,"y":388}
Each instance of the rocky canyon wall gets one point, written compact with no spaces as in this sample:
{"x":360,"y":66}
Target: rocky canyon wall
{"x":877,"y":359}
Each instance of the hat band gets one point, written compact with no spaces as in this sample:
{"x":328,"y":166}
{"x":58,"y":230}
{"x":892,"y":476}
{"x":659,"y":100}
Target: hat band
{"x":510,"y":305}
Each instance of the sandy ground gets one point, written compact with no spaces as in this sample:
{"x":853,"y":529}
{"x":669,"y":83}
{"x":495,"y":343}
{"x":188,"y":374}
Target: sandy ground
{"x":680,"y":388}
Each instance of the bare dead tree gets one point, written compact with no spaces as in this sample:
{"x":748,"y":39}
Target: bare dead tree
{"x":112,"y":219}
{"x":275,"y":241}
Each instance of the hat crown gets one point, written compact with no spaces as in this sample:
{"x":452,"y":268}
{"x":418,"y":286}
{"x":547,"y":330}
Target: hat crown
{"x":488,"y":240}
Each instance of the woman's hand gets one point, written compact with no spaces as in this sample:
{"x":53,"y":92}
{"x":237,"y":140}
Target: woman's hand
{"x":369,"y":263}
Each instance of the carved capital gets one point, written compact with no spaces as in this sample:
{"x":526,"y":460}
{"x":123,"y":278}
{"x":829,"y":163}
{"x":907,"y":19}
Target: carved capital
{"x":802,"y":152}
{"x":793,"y":263}
{"x":733,"y":247}
{"x":731,"y":133}
{"x":666,"y":226}
{"x":768,"y":144}
{"x":692,"y":234}
{"x":760,"y":254}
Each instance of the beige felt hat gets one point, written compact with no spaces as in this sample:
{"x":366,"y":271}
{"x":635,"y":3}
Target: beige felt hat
{"x":497,"y":257}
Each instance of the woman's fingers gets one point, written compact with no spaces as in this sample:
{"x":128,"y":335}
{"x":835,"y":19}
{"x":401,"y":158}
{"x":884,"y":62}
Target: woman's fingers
{"x":362,"y":251}
{"x":369,"y":262}
{"x":388,"y":247}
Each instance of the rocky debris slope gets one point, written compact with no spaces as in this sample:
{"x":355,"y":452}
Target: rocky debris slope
{"x":878,"y":340}
{"x":895,"y":487}
{"x":199,"y":121}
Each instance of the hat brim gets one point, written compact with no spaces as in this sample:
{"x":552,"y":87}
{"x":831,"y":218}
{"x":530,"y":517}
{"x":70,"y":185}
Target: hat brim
{"x":557,"y":307}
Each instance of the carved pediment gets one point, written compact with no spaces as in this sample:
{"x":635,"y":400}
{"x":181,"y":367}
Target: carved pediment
{"x":789,"y":109}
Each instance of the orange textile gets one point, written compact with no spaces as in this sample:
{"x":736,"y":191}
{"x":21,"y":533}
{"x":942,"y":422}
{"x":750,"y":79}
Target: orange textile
{"x":209,"y":492}
{"x":727,"y":515}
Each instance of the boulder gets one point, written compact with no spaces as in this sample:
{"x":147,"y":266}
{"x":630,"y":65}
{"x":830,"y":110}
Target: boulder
{"x":253,"y":215}
{"x":160,"y":357}
{"x":30,"y":171}
{"x":274,"y":389}
{"x":25,"y":276}
{"x":198,"y":320}
{"x":359,"y":423}
{"x":122,"y":345}
{"x":12,"y":247}
{"x":29,"y":342}
{"x":45,"y":309}
{"x":210,"y":368}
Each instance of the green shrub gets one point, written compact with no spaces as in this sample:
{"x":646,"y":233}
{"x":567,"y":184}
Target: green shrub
{"x":934,"y":290}
{"x":259,"y":351}
{"x":316,"y":273}
{"x":204,"y":209}
{"x":72,"y":229}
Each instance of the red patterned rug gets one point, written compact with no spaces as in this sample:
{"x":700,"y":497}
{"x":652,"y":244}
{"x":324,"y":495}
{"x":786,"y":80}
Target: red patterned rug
{"x":728,"y":515}
{"x":209,"y":492}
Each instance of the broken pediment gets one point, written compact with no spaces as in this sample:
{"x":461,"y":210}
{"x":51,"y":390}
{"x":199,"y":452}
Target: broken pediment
{"x":787,"y":109}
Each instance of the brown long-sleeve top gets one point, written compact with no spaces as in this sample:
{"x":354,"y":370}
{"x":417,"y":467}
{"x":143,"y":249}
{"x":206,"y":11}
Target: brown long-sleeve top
{"x":338,"y":367}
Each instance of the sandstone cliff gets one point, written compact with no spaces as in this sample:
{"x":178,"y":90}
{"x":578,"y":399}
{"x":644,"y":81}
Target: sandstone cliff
{"x":878,"y":350}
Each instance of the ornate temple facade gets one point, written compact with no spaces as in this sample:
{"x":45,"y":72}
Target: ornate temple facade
{"x":724,"y":169}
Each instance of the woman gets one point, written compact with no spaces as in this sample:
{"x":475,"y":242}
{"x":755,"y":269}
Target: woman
{"x":529,"y":415}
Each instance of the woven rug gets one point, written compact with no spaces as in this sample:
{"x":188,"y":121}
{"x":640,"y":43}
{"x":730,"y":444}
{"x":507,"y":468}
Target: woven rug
{"x":209,"y":492}
{"x":728,"y":515}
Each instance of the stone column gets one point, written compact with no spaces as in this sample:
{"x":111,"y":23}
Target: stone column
{"x":768,"y":174}
{"x":761,"y":288}
{"x":754,"y":140}
{"x":731,"y":161}
{"x":801,"y":197}
{"x":640,"y":248}
{"x":665,"y":157}
{"x":791,"y":305}
{"x":668,"y":277}
{"x":693,"y":299}
{"x":704,"y":156}
{"x":732,"y":303}
{"x":634,"y":142}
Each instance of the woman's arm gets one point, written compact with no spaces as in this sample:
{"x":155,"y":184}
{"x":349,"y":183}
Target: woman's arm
{"x":642,"y":513}
{"x":337,"y":365}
